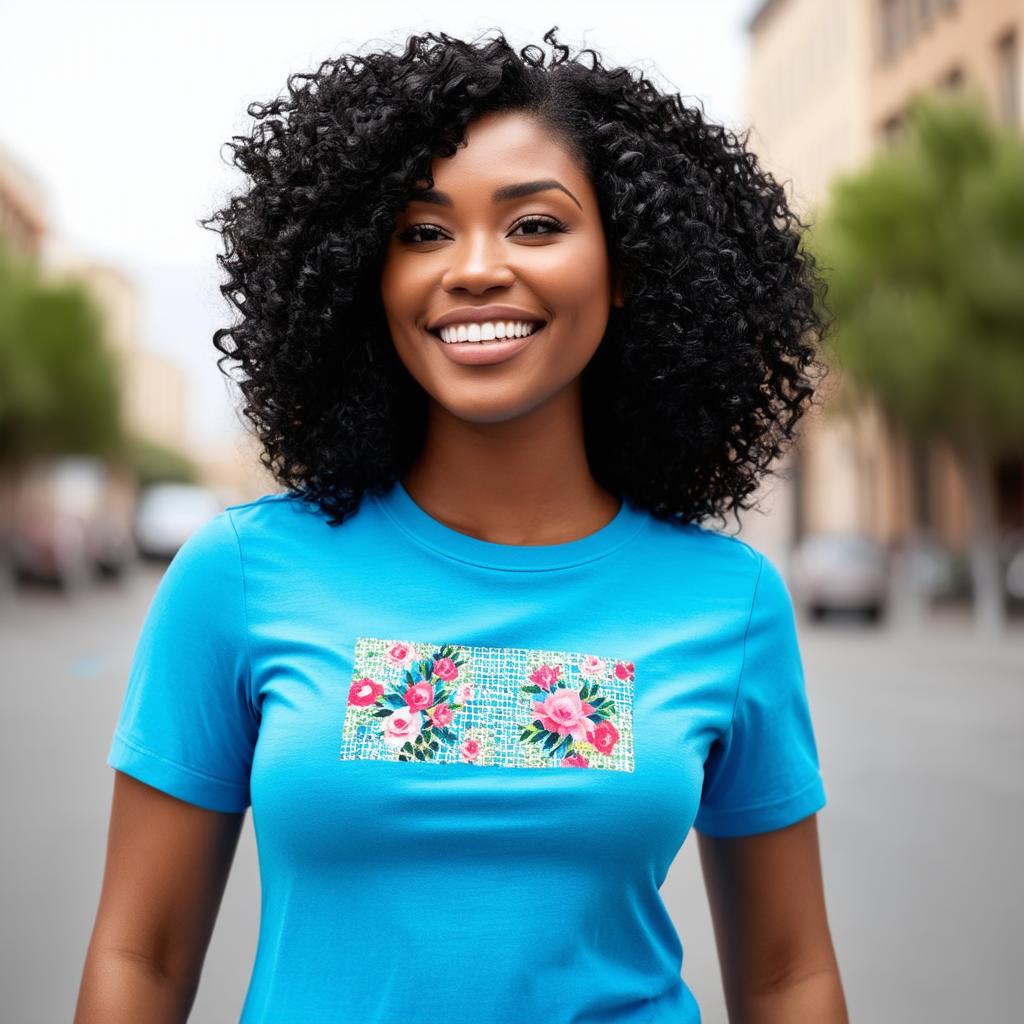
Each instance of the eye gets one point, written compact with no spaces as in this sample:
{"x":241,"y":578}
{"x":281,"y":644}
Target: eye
{"x":419,"y":233}
{"x":555,"y":226}
{"x":409,"y":234}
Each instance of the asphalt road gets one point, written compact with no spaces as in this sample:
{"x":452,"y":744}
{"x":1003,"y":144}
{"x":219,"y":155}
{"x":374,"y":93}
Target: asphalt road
{"x":921,"y":737}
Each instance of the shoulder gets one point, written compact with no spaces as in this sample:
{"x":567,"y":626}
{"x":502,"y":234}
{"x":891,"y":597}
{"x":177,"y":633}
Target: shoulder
{"x":270,"y":514}
{"x":213,"y":550}
{"x":266,"y":504}
{"x":717,"y":559}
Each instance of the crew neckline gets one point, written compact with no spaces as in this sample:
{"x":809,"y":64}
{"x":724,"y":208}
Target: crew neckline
{"x":431,"y":532}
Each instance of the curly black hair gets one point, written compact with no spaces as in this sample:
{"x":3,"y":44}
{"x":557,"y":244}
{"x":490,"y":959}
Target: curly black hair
{"x":703,"y":374}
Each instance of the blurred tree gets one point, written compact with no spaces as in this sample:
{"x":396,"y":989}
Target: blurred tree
{"x":23,"y":388}
{"x":59,"y":383}
{"x":924,"y":253}
{"x":155,"y":463}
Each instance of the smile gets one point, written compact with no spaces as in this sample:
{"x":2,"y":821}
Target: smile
{"x":488,"y":330}
{"x":485,"y":352}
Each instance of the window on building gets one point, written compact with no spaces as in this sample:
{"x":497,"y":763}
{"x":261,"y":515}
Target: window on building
{"x":901,"y":21}
{"x":952,"y":80}
{"x":1008,"y":78}
{"x":924,"y":10}
{"x":892,"y":130}
{"x":891,"y":23}
{"x":1010,"y":493}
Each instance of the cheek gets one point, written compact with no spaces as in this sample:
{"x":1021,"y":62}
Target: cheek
{"x":404,"y":297}
{"x":574,"y":279}
{"x":402,"y":283}
{"x":580,"y":296}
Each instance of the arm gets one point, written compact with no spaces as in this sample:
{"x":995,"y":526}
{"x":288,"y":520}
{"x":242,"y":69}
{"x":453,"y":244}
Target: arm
{"x":767,"y":906}
{"x":166,"y":869}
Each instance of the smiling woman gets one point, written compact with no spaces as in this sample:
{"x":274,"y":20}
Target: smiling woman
{"x":508,"y":332}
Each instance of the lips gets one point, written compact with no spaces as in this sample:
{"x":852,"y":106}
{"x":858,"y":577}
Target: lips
{"x":481,"y":314}
{"x":486,"y":353}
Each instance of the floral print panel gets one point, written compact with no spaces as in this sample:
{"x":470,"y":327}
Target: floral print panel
{"x":512,"y":707}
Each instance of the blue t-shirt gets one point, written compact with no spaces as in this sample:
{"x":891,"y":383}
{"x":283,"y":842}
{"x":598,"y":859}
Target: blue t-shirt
{"x":470,"y":764}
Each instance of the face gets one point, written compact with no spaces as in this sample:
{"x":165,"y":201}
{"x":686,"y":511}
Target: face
{"x":512,"y":221}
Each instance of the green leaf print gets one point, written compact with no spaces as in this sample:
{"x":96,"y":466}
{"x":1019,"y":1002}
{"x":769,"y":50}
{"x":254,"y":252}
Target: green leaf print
{"x":553,"y":739}
{"x":565,"y":747}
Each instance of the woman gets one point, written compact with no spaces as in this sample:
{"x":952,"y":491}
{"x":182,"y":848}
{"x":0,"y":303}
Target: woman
{"x":508,"y":331}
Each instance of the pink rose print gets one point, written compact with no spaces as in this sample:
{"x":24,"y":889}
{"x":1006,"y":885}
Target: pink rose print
{"x":470,"y":750}
{"x":546,"y":676}
{"x":419,"y":696}
{"x":564,"y":713}
{"x":364,"y":692}
{"x":446,"y":669}
{"x":401,"y":654}
{"x":414,"y":712}
{"x":605,"y":737}
{"x":441,"y":714}
{"x":401,"y":727}
{"x":570,"y":712}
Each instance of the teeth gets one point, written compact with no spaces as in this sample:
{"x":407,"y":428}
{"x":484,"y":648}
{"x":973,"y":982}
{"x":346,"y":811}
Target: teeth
{"x":492,"y":330}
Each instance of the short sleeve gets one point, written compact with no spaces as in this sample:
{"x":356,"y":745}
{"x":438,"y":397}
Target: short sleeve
{"x":763,"y":772}
{"x":187,"y":724}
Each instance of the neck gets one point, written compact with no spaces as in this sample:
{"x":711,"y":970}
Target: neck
{"x":520,"y":481}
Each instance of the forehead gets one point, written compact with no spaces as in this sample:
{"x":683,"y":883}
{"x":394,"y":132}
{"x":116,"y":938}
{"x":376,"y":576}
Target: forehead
{"x":507,"y":146}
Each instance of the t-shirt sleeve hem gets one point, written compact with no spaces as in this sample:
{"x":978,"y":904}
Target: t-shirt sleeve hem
{"x":764,"y":817}
{"x":175,"y":779}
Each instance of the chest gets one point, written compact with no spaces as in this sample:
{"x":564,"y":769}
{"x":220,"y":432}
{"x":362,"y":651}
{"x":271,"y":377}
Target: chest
{"x":485,"y":729}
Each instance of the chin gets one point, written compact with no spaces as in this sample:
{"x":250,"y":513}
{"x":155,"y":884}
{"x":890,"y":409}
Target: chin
{"x":499,"y":404}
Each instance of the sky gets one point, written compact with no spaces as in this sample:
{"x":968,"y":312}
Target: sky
{"x":119,"y":111}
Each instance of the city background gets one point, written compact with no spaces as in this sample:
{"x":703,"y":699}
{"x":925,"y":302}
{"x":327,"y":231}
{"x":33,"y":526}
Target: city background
{"x":897,"y":518}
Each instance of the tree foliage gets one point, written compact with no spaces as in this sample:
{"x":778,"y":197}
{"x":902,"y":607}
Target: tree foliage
{"x":153,"y":463}
{"x":924,"y":255}
{"x":59,"y":382}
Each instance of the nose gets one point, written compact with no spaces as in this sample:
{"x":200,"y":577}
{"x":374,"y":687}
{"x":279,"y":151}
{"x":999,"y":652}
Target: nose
{"x":478,"y":262}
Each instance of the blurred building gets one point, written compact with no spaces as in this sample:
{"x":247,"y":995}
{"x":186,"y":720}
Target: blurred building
{"x":153,"y":387}
{"x":829,"y":83}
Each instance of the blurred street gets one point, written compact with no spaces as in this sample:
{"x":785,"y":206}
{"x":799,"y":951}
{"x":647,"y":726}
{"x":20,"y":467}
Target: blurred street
{"x":919,"y":732}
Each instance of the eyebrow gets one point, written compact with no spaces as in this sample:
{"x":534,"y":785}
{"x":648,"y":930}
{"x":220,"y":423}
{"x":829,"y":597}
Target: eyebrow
{"x":506,"y":192}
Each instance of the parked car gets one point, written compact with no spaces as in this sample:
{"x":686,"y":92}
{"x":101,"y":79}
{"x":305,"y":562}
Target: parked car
{"x":168,"y":514}
{"x":833,"y":571}
{"x":67,"y":518}
{"x":932,"y":569}
{"x":1011,"y":560}
{"x":1010,"y":556}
